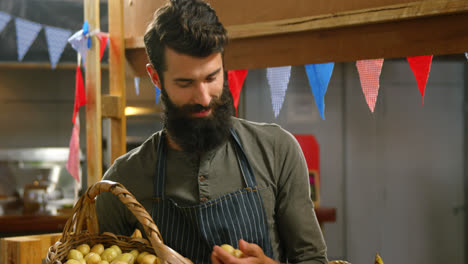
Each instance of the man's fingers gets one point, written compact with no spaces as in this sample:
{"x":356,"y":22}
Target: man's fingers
{"x":214,"y":258}
{"x":222,"y":255}
{"x":250,"y":249}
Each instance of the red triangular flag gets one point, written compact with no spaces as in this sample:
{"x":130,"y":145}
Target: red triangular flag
{"x":73,"y":163}
{"x":236,"y":80}
{"x":80,"y":95}
{"x":103,"y":42}
{"x":421,"y":66}
{"x":369,"y":74}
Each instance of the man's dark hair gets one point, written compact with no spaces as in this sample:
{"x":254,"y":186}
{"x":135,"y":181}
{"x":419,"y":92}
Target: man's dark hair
{"x":189,"y":27}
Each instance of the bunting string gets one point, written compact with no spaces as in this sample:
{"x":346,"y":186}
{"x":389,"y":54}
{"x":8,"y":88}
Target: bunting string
{"x":319,"y":75}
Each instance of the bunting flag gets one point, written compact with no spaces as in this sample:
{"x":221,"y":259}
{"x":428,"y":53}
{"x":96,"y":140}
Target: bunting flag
{"x":136,"y":80}
{"x":278,"y":79}
{"x":319,"y":76}
{"x":26,"y":33}
{"x":86,"y":32}
{"x":236,"y":80}
{"x":56,"y":42}
{"x":158,"y":92}
{"x":4,"y":19}
{"x":421,"y":66}
{"x":73,"y":162}
{"x":369,"y":74}
{"x":80,"y":95}
{"x":103,"y":39}
{"x":79,"y":42}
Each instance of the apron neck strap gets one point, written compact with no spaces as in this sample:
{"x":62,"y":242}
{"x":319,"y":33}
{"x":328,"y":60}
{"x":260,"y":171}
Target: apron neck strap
{"x":246,"y":169}
{"x":158,"y":182}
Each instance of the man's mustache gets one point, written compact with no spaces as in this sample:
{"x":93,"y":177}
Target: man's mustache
{"x":196,"y":108}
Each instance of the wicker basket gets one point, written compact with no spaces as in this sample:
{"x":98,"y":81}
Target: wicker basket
{"x":82,"y":227}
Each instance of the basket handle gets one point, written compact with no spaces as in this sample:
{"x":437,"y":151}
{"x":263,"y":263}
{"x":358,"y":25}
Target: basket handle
{"x":164,"y":252}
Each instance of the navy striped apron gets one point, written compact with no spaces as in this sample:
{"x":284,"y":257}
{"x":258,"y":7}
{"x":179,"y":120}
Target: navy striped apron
{"x":194,"y":230}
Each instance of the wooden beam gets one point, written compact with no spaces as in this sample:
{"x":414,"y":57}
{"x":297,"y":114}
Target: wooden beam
{"x":138,"y":13}
{"x":417,"y":28}
{"x":390,"y":13}
{"x":93,"y":97}
{"x":117,"y":78}
{"x":111,"y":106}
{"x":436,"y":36}
{"x":376,"y":15}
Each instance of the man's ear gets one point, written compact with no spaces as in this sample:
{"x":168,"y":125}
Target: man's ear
{"x":153,"y":74}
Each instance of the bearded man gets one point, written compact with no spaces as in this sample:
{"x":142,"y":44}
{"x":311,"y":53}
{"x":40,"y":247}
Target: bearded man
{"x":209,"y":178}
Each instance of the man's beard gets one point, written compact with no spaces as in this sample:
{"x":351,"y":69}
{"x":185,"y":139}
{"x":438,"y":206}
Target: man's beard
{"x":199,"y":134}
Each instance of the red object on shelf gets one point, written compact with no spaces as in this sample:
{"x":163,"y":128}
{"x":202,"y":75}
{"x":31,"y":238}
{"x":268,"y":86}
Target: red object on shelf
{"x":311,"y":150}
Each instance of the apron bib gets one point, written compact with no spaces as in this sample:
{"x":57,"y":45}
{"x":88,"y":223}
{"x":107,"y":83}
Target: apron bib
{"x":194,"y":230}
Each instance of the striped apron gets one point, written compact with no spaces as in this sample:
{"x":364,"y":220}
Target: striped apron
{"x":194,"y":230}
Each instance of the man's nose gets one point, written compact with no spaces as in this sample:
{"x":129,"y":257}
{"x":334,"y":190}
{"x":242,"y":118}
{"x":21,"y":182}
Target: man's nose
{"x":202,"y":94}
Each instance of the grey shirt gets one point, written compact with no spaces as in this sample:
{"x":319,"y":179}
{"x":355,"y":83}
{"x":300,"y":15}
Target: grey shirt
{"x":278,"y":165}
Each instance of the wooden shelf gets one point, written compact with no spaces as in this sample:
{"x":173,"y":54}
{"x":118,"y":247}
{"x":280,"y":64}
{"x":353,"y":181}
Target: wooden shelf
{"x":32,"y":223}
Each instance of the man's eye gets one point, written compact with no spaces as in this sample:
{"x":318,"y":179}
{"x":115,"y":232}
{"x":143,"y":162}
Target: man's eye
{"x":184,"y":84}
{"x":210,"y":79}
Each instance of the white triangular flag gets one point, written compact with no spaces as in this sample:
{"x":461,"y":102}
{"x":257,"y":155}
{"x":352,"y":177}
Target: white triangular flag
{"x":136,"y":80}
{"x":4,"y":19}
{"x":278,"y":79}
{"x":57,"y":39}
{"x":26,"y":33}
{"x":79,"y":42}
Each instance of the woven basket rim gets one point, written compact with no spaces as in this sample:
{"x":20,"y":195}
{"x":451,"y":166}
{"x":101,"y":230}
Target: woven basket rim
{"x":82,"y":226}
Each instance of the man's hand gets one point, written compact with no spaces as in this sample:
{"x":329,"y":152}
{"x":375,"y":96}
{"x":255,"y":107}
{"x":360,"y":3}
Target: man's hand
{"x":253,"y":254}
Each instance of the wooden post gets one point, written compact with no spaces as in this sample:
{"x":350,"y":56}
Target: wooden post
{"x":93,"y":97}
{"x":117,"y":77}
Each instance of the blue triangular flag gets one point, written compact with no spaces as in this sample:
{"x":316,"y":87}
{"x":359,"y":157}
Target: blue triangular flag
{"x":136,"y":80}
{"x":158,"y":92}
{"x":78,"y":42}
{"x":319,"y":76}
{"x":26,"y":33}
{"x":56,"y":42}
{"x":4,"y":19}
{"x":278,"y":79}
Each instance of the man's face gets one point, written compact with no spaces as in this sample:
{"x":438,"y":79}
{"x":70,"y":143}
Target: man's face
{"x":193,"y":82}
{"x":197,"y":105}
